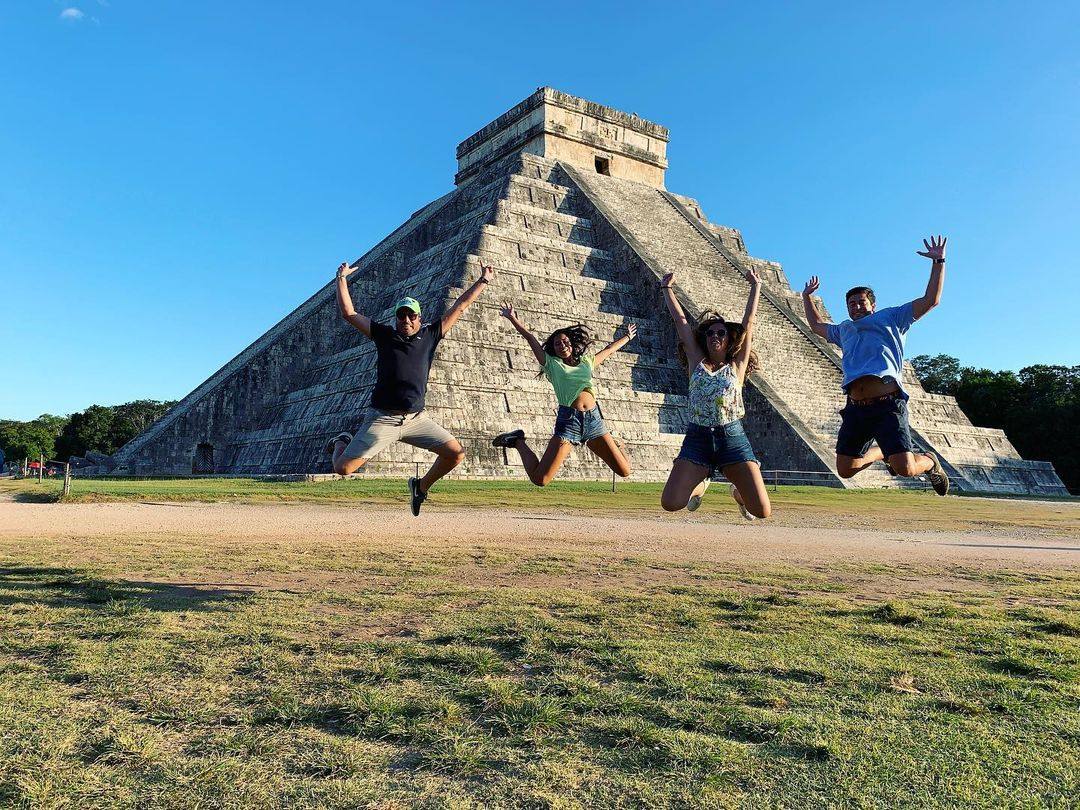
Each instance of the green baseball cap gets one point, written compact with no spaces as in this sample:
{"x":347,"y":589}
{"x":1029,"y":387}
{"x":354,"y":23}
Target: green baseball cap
{"x":408,"y":303}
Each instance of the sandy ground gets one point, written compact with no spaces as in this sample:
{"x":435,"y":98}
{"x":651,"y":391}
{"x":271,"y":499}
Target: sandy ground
{"x":676,"y":539}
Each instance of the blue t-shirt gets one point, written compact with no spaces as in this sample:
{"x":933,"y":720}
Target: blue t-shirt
{"x":874,"y":344}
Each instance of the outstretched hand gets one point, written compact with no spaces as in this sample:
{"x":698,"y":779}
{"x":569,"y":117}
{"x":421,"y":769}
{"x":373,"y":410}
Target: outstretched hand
{"x":507,"y":311}
{"x":667,"y":280}
{"x":631,"y":331}
{"x":935,"y":248}
{"x":487,"y":272}
{"x":811,"y":286}
{"x":344,"y":269}
{"x":752,"y":276}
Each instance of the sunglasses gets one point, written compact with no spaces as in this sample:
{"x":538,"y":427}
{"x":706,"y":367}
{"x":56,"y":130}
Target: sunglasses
{"x":407,"y":316}
{"x":716,"y":332}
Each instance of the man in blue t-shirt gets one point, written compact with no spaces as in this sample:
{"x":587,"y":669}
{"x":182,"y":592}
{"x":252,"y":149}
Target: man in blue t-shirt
{"x":404,"y":354}
{"x":877,"y":406}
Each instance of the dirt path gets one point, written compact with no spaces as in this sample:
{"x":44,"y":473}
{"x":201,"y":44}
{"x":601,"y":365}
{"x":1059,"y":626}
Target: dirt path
{"x":676,"y":539}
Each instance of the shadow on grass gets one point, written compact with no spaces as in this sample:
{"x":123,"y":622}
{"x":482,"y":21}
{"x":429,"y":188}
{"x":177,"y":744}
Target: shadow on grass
{"x":36,"y":497}
{"x":68,"y":587}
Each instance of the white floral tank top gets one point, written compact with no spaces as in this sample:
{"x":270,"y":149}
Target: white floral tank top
{"x":715,"y":396}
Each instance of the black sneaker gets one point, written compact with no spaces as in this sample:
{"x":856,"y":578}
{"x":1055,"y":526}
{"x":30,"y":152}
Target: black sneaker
{"x":508,"y":439}
{"x":416,"y":497}
{"x":341,"y":437}
{"x":939,"y":479}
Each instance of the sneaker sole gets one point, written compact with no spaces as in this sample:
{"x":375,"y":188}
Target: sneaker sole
{"x":414,"y":505}
{"x":746,"y":514}
{"x":502,"y":439}
{"x":939,"y":471}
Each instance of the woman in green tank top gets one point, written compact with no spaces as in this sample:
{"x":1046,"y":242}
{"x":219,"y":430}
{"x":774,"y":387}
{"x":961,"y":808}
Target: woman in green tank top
{"x":565,"y":361}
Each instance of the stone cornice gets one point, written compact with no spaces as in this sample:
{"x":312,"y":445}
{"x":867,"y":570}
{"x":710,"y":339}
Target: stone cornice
{"x":548,"y":95}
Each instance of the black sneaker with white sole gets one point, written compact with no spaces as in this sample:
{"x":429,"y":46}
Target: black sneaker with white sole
{"x":508,"y":439}
{"x":939,"y":479}
{"x":416,"y":497}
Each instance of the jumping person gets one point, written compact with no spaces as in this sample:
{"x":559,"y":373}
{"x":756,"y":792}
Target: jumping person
{"x":569,"y":368}
{"x":396,"y":411}
{"x":718,"y":355}
{"x":877,"y":404}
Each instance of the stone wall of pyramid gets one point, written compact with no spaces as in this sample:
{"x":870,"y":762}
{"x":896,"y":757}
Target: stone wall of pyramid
{"x":571,"y":245}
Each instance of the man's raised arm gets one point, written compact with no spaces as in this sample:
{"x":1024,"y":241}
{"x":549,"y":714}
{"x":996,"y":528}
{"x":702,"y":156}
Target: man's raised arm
{"x":819,"y":326}
{"x":344,"y":301}
{"x":487,"y":273}
{"x":935,"y":251}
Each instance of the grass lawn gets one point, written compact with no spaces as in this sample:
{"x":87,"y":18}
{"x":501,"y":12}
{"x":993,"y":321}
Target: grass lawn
{"x":401,"y":678}
{"x":915,"y":509}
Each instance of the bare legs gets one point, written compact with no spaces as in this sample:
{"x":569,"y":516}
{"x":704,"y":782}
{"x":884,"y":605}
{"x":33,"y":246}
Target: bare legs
{"x":542,"y":470}
{"x":345,"y":466}
{"x":448,"y":456}
{"x":610,"y":452}
{"x":905,"y":464}
{"x":684,"y":479}
{"x":687,"y":478}
{"x":749,"y":488}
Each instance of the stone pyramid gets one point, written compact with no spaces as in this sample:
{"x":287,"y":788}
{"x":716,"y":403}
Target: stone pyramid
{"x":566,"y":198}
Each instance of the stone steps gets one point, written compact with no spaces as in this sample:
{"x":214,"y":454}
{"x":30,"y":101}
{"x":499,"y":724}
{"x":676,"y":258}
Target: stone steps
{"x":807,"y":381}
{"x":529,"y":218}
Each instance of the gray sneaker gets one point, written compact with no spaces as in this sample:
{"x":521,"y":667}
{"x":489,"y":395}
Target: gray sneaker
{"x":694,"y":503}
{"x":939,"y":479}
{"x":416,"y":497}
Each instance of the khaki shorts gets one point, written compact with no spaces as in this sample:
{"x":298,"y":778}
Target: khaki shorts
{"x":381,"y":429}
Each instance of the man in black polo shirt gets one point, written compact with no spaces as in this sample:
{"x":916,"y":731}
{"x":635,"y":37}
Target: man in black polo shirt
{"x":396,"y":412}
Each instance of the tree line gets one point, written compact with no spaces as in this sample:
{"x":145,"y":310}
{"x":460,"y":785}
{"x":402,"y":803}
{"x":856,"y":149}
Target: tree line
{"x":1037,"y":407}
{"x":100,"y":428}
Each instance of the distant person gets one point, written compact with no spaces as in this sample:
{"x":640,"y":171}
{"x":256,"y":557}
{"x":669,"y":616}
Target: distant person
{"x":877,"y":404}
{"x":718,"y":355}
{"x":396,"y":412}
{"x":565,"y":361}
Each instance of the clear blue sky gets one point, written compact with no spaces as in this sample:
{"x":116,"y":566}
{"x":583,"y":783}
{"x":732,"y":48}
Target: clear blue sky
{"x":177,"y":176}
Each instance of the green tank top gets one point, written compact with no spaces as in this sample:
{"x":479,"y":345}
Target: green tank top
{"x":569,"y":381}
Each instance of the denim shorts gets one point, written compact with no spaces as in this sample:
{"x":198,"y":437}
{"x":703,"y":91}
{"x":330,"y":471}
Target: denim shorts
{"x":717,"y":447}
{"x":578,"y":427}
{"x":885,"y":420}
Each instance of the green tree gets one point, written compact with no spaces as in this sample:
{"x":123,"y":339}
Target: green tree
{"x":31,"y":439}
{"x":85,"y":431}
{"x":939,"y":374}
{"x":1038,"y":408}
{"x":105,"y":429}
{"x":132,"y":418}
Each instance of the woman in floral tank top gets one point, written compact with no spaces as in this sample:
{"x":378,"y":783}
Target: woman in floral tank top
{"x":718,"y":356}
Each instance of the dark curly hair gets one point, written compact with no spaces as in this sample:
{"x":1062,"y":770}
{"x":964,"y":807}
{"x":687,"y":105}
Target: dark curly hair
{"x":580,"y":341}
{"x":735,"y":339}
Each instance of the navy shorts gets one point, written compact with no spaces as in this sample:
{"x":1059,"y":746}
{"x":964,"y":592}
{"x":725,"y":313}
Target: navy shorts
{"x":578,"y":427}
{"x":717,"y":447}
{"x":884,"y":420}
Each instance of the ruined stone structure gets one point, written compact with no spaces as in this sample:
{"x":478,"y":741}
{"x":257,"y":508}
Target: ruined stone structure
{"x":566,"y":198}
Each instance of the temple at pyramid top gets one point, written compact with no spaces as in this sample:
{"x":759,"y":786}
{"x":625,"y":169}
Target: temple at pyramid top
{"x":563,"y":127}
